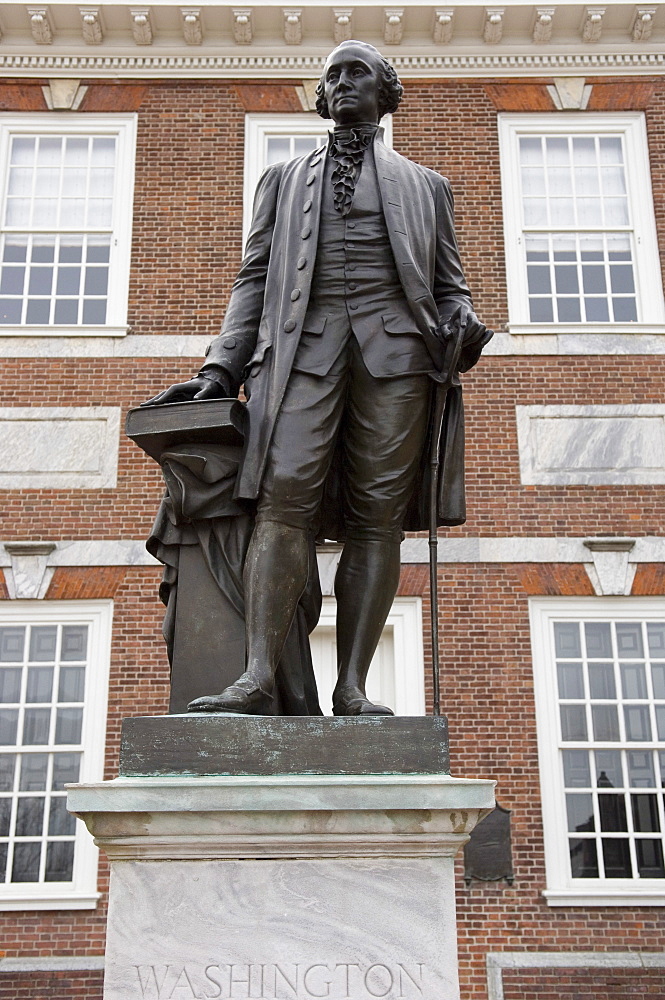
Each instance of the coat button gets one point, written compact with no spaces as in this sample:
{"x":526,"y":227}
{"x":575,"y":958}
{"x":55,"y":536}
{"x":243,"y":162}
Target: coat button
{"x":351,"y":267}
{"x":310,"y":179}
{"x":302,"y":262}
{"x":352,"y":286}
{"x":230,"y":342}
{"x":351,"y":225}
{"x":306,"y":233}
{"x":308,"y":204}
{"x":353,"y":306}
{"x":295,"y":294}
{"x":289,"y":326}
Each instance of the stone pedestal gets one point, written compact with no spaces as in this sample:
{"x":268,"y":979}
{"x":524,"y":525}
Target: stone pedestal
{"x":282,"y":887}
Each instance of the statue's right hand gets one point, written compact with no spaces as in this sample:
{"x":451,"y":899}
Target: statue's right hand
{"x":196,"y":388}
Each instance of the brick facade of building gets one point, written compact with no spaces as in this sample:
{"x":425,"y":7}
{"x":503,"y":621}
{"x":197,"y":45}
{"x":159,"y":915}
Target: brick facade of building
{"x":186,"y":248}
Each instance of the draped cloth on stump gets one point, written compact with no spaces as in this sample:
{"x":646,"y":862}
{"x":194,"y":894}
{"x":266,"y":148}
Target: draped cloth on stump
{"x":199,"y":510}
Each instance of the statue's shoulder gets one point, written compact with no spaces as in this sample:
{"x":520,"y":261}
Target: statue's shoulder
{"x":432,"y":177}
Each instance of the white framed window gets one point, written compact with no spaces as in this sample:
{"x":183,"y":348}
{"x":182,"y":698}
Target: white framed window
{"x":273,"y":138}
{"x":54,"y":664}
{"x":580,"y":233}
{"x":599,"y":671}
{"x":66,"y":185}
{"x":397,"y":675}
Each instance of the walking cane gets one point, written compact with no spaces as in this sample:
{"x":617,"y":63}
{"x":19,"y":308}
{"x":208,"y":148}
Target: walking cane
{"x":443,"y":381}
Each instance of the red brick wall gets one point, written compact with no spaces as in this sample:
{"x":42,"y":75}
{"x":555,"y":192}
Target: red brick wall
{"x":580,"y":984}
{"x":51,"y":985}
{"x":186,"y":248}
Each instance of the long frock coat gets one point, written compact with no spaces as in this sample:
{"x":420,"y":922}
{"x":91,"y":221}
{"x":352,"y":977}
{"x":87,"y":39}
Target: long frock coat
{"x":269,"y":300}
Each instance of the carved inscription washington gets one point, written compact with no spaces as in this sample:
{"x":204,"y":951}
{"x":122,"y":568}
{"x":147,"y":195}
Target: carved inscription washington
{"x":283,"y":981}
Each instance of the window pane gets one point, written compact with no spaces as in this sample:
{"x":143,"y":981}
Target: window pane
{"x":26,"y":862}
{"x":640,"y":769}
{"x":598,"y":639}
{"x":609,"y":773}
{"x":68,"y":281}
{"x":638,"y":724}
{"x":656,"y":637}
{"x":573,"y":723}
{"x":68,"y":725}
{"x":629,"y":639}
{"x":7,"y":767}
{"x":660,"y":722}
{"x":74,"y":642}
{"x":567,"y":640}
{"x":650,"y":859}
{"x":38,"y":312}
{"x":71,"y":250}
{"x":94,"y":311}
{"x":10,"y":684}
{"x":33,"y":772}
{"x":616,"y":855}
{"x":23,"y":150}
{"x":576,"y":771}
{"x":60,"y":821}
{"x":580,"y":813}
{"x":597,"y":310}
{"x":633,"y":680}
{"x":583,"y":858}
{"x":601,"y":680}
{"x":658,"y":679}
{"x":571,"y":682}
{"x":12,"y":638}
{"x":59,"y":861}
{"x":625,"y":310}
{"x":42,"y":642}
{"x":541,"y":310}
{"x":12,"y":280}
{"x":96,"y":280}
{"x":612,"y":809}
{"x":29,"y":817}
{"x":66,"y":768}
{"x":645,"y":813}
{"x":72,"y":684}
{"x":66,"y":311}
{"x":40,"y":684}
{"x":605,"y":723}
{"x":10,"y":312}
{"x":36,"y":726}
{"x":3,"y":862}
{"x":5,"y":816}
{"x":277,"y":149}
{"x":8,"y":726}
{"x":76,"y":151}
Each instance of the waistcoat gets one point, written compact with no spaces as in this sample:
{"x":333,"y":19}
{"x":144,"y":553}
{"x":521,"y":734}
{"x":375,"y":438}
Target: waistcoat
{"x":356,"y":289}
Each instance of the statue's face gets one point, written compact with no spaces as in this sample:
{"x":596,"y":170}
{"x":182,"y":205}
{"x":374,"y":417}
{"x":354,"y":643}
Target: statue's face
{"x":351,"y":82}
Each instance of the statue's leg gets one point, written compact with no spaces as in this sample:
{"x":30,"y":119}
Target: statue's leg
{"x":385,"y":428}
{"x":275,"y":576}
{"x":365,"y":586}
{"x":276,"y":566}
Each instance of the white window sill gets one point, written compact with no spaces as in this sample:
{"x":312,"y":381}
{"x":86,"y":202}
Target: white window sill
{"x":61,"y":901}
{"x":561,"y":329}
{"x":606,"y":896}
{"x":64,"y":331}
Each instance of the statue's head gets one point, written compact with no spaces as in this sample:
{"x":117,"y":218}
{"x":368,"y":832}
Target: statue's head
{"x":357,"y":85}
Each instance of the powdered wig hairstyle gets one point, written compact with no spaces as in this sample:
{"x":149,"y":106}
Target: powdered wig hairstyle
{"x":390,"y":89}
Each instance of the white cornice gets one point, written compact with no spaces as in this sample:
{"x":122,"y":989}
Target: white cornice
{"x":208,"y":40}
{"x":410,"y":65}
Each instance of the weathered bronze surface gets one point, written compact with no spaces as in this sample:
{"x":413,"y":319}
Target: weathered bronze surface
{"x":349,"y":317}
{"x":226,"y":744}
{"x":488,"y":857}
